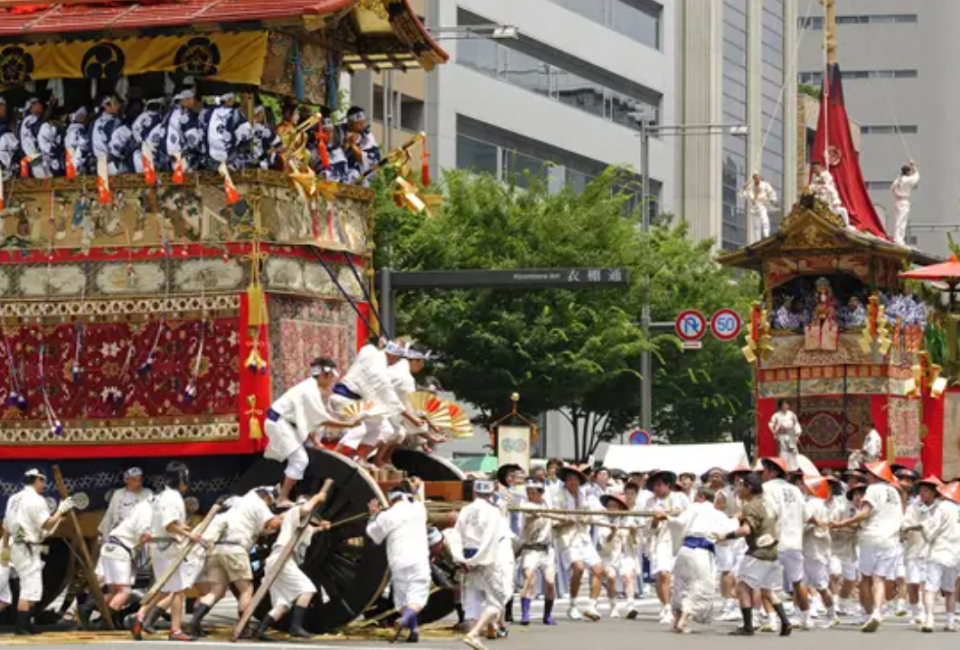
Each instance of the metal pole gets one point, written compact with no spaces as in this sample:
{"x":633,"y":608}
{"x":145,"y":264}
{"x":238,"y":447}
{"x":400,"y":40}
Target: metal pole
{"x":646,"y":360}
{"x":386,"y":301}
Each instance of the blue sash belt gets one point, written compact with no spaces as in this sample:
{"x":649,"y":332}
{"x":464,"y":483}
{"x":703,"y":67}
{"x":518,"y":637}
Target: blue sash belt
{"x":343,"y":391}
{"x":699,"y":542}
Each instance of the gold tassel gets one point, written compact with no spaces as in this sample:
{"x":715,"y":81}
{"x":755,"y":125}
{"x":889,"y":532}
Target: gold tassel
{"x":256,"y":431}
{"x":256,"y":306}
{"x":255,"y":362}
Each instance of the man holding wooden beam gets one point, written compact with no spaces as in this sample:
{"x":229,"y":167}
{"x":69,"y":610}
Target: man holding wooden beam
{"x":169,"y":531}
{"x":29,"y":522}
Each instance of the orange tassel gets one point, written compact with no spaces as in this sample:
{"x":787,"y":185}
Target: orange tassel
{"x":103,"y":181}
{"x":149,"y":172}
{"x":233,"y":196}
{"x":1,"y":190}
{"x":70,"y":167}
{"x":24,"y":168}
{"x":425,"y":165}
{"x":177,"y":177}
{"x":324,"y":154}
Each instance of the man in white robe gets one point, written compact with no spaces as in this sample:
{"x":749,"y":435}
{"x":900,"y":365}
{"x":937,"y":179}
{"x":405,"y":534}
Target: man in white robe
{"x":404,"y":528}
{"x":475,"y":546}
{"x":293,"y":589}
{"x":902,"y":189}
{"x":619,"y":540}
{"x":694,"y":534}
{"x":760,"y":197}
{"x":169,"y":532}
{"x":660,"y":549}
{"x":872,"y":446}
{"x":786,"y":430}
{"x":295,"y":418}
{"x":537,"y":554}
{"x":578,"y":554}
{"x":123,"y":501}
{"x":394,"y":430}
{"x":232,"y":535}
{"x":29,"y":523}
{"x":116,"y":566}
{"x":368,"y":381}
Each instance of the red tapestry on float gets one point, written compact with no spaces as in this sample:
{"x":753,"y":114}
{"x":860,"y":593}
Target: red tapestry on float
{"x":151,"y":380}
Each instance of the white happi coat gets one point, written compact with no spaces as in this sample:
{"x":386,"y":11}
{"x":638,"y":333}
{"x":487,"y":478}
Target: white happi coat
{"x":872,"y":447}
{"x":122,"y":504}
{"x":237,"y":530}
{"x":760,"y":198}
{"x":168,"y":507}
{"x":25,"y":520}
{"x":302,"y":411}
{"x":479,"y":531}
{"x":694,"y":572}
{"x":902,"y":189}
{"x":404,"y":528}
{"x":116,"y":562}
{"x":291,"y":582}
{"x":404,"y":385}
{"x":787,"y":430}
{"x":368,"y":377}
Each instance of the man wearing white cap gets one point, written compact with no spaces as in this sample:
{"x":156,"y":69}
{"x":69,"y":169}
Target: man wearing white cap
{"x":29,"y":522}
{"x":293,"y":589}
{"x":294,"y":419}
{"x":103,"y":127}
{"x":359,"y":144}
{"x":227,"y":132}
{"x":760,"y":197}
{"x":368,"y":380}
{"x":880,"y":518}
{"x":394,"y":430}
{"x":266,"y":143}
{"x":116,"y":566}
{"x":233,"y":535}
{"x":475,"y":545}
{"x":184,"y":137}
{"x":146,"y":121}
{"x":77,"y":140}
{"x":123,"y":501}
{"x":404,"y":528}
{"x":30,"y":127}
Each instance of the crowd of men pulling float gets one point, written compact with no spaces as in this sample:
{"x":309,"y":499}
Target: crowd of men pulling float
{"x":178,"y":134}
{"x":869,"y":544}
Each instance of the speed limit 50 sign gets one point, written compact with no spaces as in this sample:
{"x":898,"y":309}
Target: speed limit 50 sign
{"x":726,"y":324}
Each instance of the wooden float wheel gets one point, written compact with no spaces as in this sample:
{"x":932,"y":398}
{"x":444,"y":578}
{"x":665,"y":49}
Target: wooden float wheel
{"x":348,"y":569}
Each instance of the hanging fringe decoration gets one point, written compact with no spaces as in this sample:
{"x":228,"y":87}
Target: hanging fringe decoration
{"x":149,"y":171}
{"x":77,"y":369}
{"x":103,"y":181}
{"x":256,"y":430}
{"x":322,"y":147}
{"x":1,"y":191}
{"x":425,"y":164}
{"x":70,"y":168}
{"x":25,"y":167}
{"x":177,"y":177}
{"x":233,"y":196}
{"x":255,"y":362}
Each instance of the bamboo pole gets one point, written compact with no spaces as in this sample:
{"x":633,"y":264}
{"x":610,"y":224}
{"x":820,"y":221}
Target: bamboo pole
{"x":277,"y":567}
{"x":87,"y":560}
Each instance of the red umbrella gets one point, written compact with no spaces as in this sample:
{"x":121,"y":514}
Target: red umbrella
{"x":948,"y":272}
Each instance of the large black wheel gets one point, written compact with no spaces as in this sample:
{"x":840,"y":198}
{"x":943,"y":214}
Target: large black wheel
{"x":428,"y":467}
{"x":349,"y":570}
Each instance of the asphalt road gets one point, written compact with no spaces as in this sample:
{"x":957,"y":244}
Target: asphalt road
{"x":568,"y":635}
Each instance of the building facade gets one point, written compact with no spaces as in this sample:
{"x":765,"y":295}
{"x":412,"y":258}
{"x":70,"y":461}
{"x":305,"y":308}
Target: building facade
{"x":733,"y":60}
{"x":897,"y":61}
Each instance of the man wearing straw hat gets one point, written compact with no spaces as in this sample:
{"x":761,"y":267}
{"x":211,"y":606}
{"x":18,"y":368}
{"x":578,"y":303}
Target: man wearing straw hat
{"x":537,"y":554}
{"x":942,"y":532}
{"x":697,"y":529}
{"x":619,"y":540}
{"x":660,"y":543}
{"x":577,"y":551}
{"x":880,"y":517}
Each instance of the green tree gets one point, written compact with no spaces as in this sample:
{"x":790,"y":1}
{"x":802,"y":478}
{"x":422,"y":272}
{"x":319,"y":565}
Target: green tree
{"x":699,"y":395}
{"x":560,"y":349}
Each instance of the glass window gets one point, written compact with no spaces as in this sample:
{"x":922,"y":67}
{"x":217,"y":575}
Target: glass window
{"x":527,"y":72}
{"x":479,"y":54}
{"x":592,"y":9}
{"x":577,"y":180}
{"x":622,"y":106}
{"x":584,"y":94}
{"x":634,"y":22}
{"x":476,"y":155}
{"x":515,"y":164}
